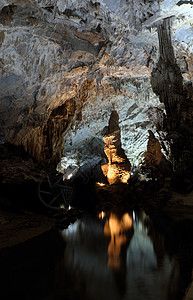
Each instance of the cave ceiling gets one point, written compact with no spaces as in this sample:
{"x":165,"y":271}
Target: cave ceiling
{"x":66,"y":65}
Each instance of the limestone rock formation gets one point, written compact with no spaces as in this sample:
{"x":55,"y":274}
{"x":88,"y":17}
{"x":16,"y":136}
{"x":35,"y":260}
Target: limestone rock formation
{"x":66,"y":56}
{"x":155,"y":161}
{"x":41,"y":44}
{"x":65,"y":65}
{"x":153,"y":155}
{"x":118,"y":167}
{"x":167,"y":82}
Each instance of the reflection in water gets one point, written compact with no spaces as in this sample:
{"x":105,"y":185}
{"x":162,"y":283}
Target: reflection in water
{"x":118,"y":229}
{"x":119,"y":257}
{"x":102,"y":214}
{"x":116,"y":256}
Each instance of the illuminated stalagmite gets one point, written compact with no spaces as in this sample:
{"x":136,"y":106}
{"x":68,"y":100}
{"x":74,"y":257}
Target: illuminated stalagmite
{"x":118,"y":167}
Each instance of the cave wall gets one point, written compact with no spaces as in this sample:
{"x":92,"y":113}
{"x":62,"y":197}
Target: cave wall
{"x":56,"y":54}
{"x":40,"y":46}
{"x":66,"y":65}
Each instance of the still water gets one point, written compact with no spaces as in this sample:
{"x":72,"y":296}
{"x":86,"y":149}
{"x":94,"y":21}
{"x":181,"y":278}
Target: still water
{"x":114,"y":255}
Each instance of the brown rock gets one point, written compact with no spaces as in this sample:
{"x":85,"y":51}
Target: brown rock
{"x":118,"y":167}
{"x":153,"y":155}
{"x":93,"y":38}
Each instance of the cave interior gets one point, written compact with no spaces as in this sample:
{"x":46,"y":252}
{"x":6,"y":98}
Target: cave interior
{"x":96,"y":123}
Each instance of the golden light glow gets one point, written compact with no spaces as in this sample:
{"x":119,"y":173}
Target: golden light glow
{"x":117,"y":170}
{"x":102,"y":214}
{"x":127,"y":221}
{"x":117,"y":229}
{"x":100,"y":184}
{"x":115,"y":173}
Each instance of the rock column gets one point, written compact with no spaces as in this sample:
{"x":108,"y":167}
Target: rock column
{"x":167,"y":82}
{"x":118,"y":167}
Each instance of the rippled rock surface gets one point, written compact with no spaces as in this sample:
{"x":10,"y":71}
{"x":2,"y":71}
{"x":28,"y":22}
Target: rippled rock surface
{"x":66,"y":65}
